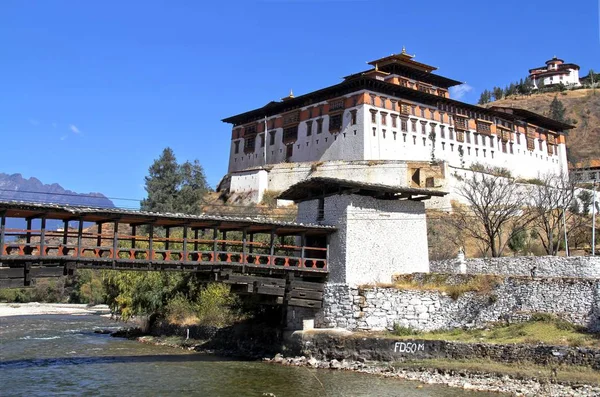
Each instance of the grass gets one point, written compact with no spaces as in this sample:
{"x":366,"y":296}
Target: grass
{"x":482,"y":284}
{"x":542,"y":328}
{"x":563,"y":374}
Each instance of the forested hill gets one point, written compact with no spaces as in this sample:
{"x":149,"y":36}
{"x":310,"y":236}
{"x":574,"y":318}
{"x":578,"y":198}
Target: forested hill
{"x":15,"y":187}
{"x":582,"y":109}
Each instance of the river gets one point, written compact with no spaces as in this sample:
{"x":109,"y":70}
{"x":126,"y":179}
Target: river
{"x":45,"y":355}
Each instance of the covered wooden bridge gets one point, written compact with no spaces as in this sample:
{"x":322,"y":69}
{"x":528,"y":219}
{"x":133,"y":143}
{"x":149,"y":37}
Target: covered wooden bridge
{"x":259,"y":256}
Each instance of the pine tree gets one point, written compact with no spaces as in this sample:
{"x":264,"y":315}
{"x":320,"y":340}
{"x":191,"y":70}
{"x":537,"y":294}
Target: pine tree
{"x":498,"y":93}
{"x":557,"y":110}
{"x":527,"y":86}
{"x":193,"y":188}
{"x":172,"y":187}
{"x":485,"y":97}
{"x":162,"y":183}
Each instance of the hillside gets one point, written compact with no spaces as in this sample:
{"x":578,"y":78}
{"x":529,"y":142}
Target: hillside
{"x":15,"y":187}
{"x":582,"y":106}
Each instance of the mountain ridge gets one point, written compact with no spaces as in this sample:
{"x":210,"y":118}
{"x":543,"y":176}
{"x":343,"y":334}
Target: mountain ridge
{"x":16,"y":187}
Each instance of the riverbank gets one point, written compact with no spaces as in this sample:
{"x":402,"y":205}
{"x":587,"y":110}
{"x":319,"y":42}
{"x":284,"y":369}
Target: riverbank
{"x":433,"y":373}
{"x":34,"y":308}
{"x":518,"y":379}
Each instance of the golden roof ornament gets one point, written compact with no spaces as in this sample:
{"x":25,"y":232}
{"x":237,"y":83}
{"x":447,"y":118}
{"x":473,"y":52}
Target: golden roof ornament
{"x":290,"y":96}
{"x":406,"y":53}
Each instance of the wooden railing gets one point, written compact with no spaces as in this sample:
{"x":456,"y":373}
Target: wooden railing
{"x":33,"y":244}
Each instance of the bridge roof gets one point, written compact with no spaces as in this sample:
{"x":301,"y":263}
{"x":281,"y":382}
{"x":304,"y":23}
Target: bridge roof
{"x":20,"y":209}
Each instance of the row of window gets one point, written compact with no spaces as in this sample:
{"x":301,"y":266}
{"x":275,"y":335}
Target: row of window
{"x":290,"y":134}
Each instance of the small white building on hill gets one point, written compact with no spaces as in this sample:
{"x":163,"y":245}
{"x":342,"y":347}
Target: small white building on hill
{"x":555,"y":72}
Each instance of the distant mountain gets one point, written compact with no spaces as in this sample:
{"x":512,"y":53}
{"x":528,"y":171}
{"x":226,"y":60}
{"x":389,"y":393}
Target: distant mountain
{"x":15,"y":187}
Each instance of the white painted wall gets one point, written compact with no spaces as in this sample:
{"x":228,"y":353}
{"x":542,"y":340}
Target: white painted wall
{"x":570,"y":79}
{"x":368,"y":141}
{"x":251,"y":184}
{"x":375,"y":239}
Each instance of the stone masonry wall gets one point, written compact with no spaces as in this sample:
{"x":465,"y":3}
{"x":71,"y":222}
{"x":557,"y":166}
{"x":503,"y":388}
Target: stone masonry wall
{"x":325,"y":346}
{"x":540,"y":266}
{"x":513,"y":299}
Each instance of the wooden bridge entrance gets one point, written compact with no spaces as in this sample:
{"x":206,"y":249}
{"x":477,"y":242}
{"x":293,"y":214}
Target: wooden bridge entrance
{"x":283,"y":260}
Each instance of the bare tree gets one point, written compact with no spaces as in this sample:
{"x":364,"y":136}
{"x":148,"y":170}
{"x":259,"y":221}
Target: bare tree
{"x":549,"y":203}
{"x":494,"y":212}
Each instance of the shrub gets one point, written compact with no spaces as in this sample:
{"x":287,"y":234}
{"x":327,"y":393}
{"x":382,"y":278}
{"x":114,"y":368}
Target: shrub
{"x":270,"y":198}
{"x":217,"y":306}
{"x":180,"y":310}
{"x":400,"y":330}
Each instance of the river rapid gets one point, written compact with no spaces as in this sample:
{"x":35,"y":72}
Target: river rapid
{"x":43,"y":355}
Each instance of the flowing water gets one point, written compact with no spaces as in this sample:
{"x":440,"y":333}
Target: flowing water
{"x":61,"y":355}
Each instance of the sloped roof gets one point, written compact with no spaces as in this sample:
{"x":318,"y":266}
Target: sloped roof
{"x":312,"y":188}
{"x":20,"y":209}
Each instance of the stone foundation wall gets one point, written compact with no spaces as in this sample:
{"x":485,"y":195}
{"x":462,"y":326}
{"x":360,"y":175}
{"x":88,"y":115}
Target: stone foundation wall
{"x":324,"y":346}
{"x":512,"y":299}
{"x":539,"y":266}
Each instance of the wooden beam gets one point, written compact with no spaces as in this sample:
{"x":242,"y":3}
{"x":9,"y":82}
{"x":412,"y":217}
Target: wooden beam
{"x":79,"y":237}
{"x":302,"y":250}
{"x":305,"y":303}
{"x":47,"y":272}
{"x":43,"y":237}
{"x":99,"y":236}
{"x":65,"y":232}
{"x":185,"y":243}
{"x":28,"y":234}
{"x":12,"y":283}
{"x":151,"y":243}
{"x":12,"y":272}
{"x":133,"y":234}
{"x":2,"y":230}
{"x":244,"y":233}
{"x":272,"y":247}
{"x":115,"y":243}
{"x":215,"y":245}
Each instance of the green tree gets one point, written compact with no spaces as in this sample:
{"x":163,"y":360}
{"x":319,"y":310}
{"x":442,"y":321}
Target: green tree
{"x":192,"y":189}
{"x":557,"y":110}
{"x":485,"y":97}
{"x":518,"y":241}
{"x":498,"y":93}
{"x":172,"y":187}
{"x":162,"y":183}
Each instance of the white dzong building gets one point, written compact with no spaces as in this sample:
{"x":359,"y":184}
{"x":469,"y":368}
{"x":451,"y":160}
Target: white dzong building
{"x":374,"y":126}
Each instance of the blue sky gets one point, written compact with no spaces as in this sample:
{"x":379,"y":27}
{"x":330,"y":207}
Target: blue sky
{"x":91,"y":92}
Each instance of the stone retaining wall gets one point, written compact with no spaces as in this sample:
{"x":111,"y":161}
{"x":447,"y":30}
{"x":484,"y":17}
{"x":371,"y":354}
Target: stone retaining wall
{"x":539,"y":266}
{"x":325,"y":346}
{"x":512,"y":299}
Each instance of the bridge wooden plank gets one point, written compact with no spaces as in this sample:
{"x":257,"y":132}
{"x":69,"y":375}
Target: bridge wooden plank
{"x":267,"y":290}
{"x":305,"y":303}
{"x":306,"y":294}
{"x":270,"y":281}
{"x":12,"y":283}
{"x":47,"y":271}
{"x":239,"y":279}
{"x":298,"y":284}
{"x":14,"y":272}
